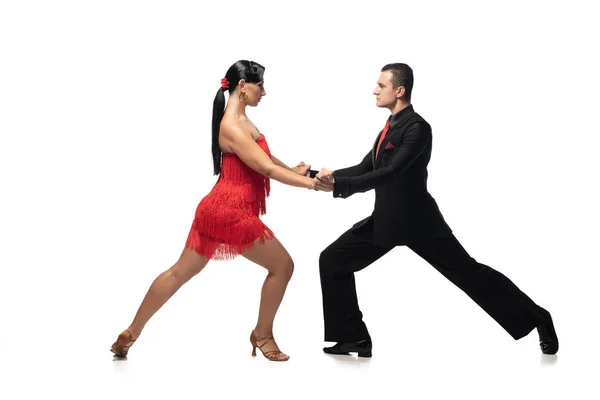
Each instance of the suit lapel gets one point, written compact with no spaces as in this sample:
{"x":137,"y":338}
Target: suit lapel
{"x":375,"y":148}
{"x":397,"y":127}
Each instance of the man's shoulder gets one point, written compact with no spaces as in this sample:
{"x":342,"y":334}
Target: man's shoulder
{"x":418,"y":126}
{"x":416,"y":118}
{"x":417,"y":122}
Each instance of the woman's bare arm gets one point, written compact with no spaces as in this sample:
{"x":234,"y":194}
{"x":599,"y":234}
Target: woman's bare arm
{"x":242,"y":144}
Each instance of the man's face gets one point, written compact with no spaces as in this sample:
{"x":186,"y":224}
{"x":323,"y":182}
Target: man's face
{"x":385,"y":93}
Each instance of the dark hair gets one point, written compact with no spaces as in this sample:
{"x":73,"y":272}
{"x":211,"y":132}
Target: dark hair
{"x":251,"y":72}
{"x":402,"y":75}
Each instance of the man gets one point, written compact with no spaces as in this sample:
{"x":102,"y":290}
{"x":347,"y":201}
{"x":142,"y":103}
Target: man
{"x":406,"y":214}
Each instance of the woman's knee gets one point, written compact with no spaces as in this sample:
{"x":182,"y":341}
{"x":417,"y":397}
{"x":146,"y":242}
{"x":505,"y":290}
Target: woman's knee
{"x":283,"y":269}
{"x":182,"y":272}
{"x":288,"y":269}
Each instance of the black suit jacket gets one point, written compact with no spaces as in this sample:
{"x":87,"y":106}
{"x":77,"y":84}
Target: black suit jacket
{"x":404,"y":210}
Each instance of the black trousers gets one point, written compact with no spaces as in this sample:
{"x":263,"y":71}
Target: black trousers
{"x":355,"y":250}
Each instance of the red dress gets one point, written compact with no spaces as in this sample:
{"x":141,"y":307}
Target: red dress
{"x":227,"y":220}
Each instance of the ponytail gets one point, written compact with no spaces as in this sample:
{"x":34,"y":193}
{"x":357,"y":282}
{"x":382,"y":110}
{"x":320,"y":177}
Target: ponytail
{"x":251,"y":72}
{"x":218,"y":111}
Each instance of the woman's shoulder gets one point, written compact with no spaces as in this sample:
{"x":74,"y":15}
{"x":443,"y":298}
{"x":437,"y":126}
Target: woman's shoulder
{"x":231,"y":128}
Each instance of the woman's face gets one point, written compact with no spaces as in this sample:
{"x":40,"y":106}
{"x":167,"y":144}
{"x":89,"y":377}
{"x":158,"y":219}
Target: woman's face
{"x":254,"y":91}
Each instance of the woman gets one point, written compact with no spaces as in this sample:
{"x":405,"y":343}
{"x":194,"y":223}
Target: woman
{"x":227,"y":221}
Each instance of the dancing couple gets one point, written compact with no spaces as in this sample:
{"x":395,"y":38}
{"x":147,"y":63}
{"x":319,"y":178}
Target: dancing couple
{"x":227,"y":222}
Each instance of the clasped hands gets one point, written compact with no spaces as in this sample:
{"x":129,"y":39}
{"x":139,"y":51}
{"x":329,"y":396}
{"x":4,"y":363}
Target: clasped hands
{"x":323,"y":181}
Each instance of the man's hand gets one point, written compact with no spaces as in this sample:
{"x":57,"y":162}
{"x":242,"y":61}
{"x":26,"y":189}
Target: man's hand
{"x":325,"y":174}
{"x":325,"y":180}
{"x":323,"y":186}
{"x":302,"y":169}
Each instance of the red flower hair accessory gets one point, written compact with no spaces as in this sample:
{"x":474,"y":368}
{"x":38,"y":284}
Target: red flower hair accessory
{"x":224,"y":83}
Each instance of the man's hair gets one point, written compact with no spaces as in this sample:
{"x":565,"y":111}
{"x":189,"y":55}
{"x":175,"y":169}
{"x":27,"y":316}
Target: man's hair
{"x":402,"y":75}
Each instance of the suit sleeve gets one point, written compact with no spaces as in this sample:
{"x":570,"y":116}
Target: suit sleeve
{"x":415,"y":140}
{"x":363,"y":167}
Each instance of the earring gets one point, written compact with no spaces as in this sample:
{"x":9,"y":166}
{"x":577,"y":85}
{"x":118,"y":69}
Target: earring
{"x":245,"y":97}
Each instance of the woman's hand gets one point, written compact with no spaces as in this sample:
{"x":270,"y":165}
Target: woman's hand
{"x":302,"y":169}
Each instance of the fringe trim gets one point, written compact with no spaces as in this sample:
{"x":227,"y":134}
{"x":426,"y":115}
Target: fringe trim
{"x":216,"y":250}
{"x":226,"y":222}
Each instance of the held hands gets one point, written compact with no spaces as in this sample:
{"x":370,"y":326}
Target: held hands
{"x":324,"y":180}
{"x":302,"y":169}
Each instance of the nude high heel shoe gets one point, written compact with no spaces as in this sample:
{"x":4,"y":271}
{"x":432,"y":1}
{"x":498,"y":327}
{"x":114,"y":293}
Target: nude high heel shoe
{"x":123,"y":343}
{"x":271,"y":355}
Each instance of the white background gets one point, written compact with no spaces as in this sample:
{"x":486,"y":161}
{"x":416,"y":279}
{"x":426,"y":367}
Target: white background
{"x":105,"y":111}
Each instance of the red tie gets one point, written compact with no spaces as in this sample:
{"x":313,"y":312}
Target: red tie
{"x":385,"y":129}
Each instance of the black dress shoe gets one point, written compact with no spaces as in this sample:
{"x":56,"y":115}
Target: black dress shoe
{"x":548,"y":338}
{"x":363,"y":348}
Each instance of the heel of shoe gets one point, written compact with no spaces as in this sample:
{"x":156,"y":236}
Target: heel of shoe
{"x":253,"y":343}
{"x":548,"y":337}
{"x":365,"y":354}
{"x":120,"y":348}
{"x":271,"y":355}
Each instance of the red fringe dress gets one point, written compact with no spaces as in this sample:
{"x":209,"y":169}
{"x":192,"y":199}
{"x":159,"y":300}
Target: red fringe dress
{"x":227,"y":220}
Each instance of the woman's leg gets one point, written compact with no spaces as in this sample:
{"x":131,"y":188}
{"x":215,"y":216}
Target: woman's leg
{"x":274,"y":257}
{"x":165,"y":285}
